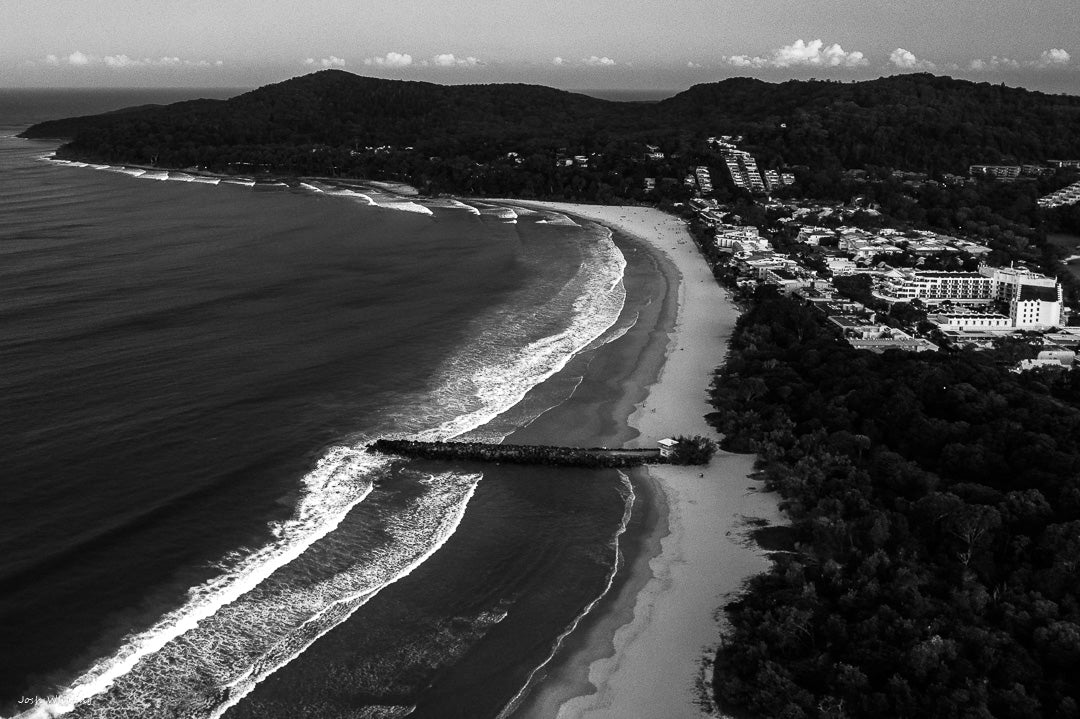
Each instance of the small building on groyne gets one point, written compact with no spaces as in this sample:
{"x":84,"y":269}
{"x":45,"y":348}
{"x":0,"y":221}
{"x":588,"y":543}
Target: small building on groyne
{"x":667,"y":447}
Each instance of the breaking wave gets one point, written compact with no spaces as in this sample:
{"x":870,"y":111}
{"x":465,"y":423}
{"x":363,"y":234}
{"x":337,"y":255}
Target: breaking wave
{"x":340,"y":481}
{"x":406,"y":207}
{"x":498,"y":371}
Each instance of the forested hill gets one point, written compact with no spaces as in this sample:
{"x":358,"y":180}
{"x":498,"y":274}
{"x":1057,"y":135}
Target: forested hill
{"x":918,"y":122}
{"x":330,"y":109}
{"x":457,"y":138}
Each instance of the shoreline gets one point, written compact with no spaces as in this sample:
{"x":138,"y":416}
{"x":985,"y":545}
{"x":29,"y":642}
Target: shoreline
{"x":640,"y":650}
{"x":613,"y":405}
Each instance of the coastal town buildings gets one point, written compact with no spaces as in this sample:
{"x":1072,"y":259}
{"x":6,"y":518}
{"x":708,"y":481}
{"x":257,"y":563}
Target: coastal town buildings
{"x":703,"y":179}
{"x":966,"y":308}
{"x":744,"y":172}
{"x":1001,"y":172}
{"x":1034,"y":301}
{"x":1066,"y":196}
{"x":653,"y":152}
{"x":741,"y":240}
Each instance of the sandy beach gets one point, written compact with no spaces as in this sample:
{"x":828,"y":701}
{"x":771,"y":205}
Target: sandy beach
{"x":644,"y":650}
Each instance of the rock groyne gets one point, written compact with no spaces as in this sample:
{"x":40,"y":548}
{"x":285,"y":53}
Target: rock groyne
{"x":598,"y":457}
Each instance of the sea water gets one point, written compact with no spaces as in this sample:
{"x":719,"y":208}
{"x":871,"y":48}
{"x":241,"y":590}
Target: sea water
{"x":191,"y":370}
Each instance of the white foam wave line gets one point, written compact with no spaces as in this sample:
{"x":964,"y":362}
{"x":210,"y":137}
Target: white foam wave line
{"x":311,"y":187}
{"x":496,"y":438}
{"x":101,"y":167}
{"x":613,"y":335}
{"x":202,"y":179}
{"x":352,"y":194}
{"x":242,"y":183}
{"x":501,"y":387}
{"x":627,"y":513}
{"x":328,"y":499}
{"x":503,"y":213}
{"x":154,"y":175}
{"x":558,"y":219}
{"x":243,"y":686}
{"x":407,"y":207}
{"x":180,"y":177}
{"x":463,"y":206}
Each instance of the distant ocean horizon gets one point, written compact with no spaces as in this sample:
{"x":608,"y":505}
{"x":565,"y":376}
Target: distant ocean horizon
{"x":191,"y":369}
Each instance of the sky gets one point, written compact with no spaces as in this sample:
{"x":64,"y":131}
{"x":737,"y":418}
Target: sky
{"x":570,"y":44}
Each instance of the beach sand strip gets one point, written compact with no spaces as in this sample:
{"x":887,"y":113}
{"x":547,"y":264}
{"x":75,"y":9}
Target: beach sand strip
{"x":645,"y":650}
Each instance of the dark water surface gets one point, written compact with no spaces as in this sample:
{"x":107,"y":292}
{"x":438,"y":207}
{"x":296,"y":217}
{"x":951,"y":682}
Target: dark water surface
{"x":189,"y":373}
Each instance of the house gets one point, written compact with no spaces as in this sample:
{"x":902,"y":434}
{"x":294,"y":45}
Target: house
{"x":667,"y":447}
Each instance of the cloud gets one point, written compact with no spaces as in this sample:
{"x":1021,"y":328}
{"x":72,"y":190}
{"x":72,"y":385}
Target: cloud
{"x":332,"y":61}
{"x":1054,"y":57}
{"x":816,"y":53}
{"x":558,"y":61}
{"x":746,"y":61}
{"x":120,"y":61}
{"x":994,"y":63}
{"x":906,"y":60}
{"x":391,"y":59}
{"x":166,"y":61}
{"x":599,"y":61}
{"x":799,"y":53}
{"x":123,"y":61}
{"x":448,"y":60}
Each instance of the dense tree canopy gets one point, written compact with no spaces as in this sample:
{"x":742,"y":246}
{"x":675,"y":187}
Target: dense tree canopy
{"x":936,"y":511}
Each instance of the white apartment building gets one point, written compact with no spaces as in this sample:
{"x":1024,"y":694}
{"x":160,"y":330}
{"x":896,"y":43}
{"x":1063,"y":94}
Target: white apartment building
{"x":1008,"y":280}
{"x":1036,"y":307}
{"x":971,"y":321}
{"x":903,"y":285}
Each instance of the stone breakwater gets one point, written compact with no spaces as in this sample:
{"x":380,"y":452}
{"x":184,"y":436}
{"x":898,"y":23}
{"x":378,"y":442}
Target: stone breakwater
{"x":598,"y":457}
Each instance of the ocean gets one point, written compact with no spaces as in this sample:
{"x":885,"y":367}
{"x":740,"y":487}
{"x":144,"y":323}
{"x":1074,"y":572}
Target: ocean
{"x":191,"y":369}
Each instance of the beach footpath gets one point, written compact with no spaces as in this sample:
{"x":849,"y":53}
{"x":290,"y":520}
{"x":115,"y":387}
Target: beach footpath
{"x":645,"y":650}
